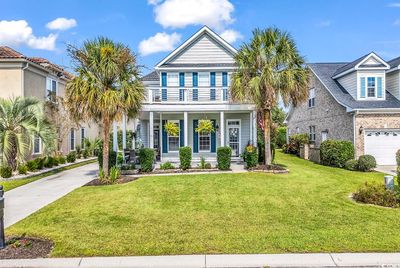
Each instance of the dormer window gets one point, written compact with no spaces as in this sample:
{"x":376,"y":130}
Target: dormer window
{"x":371,"y":87}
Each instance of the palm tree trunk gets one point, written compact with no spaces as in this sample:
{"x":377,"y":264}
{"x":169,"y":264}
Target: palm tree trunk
{"x":106,"y":145}
{"x":267,"y":137}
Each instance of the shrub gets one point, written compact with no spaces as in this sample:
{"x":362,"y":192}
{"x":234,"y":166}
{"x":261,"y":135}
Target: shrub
{"x":167,"y":165}
{"x":202,"y":164}
{"x":398,"y":157}
{"x":366,"y":163}
{"x":78,"y":150}
{"x":56,"y":161}
{"x":85,"y":153}
{"x":61,"y":160}
{"x":185,"y":157}
{"x":146,"y":159}
{"x":224,"y":157}
{"x":71,"y":157}
{"x":115,"y":173}
{"x":31,"y":165}
{"x":5,"y":172}
{"x":102,"y":176}
{"x":250,"y":156}
{"x":39,"y":162}
{"x":120,"y":159}
{"x":112,"y":159}
{"x":49,"y":162}
{"x":335,"y":153}
{"x":22,"y":169}
{"x":280,"y":136}
{"x":295,"y":142}
{"x":207,"y":166}
{"x":373,"y":193}
{"x":351,"y":164}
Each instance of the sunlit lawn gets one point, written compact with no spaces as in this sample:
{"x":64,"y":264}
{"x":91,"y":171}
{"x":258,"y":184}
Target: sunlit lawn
{"x":307,"y":210}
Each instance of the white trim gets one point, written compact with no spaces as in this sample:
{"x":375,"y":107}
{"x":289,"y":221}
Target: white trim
{"x":84,"y":137}
{"x":240,"y":132}
{"x":198,"y":143}
{"x":179,"y":136}
{"x":40,"y":145}
{"x":70,"y":139}
{"x":375,"y":76}
{"x":195,"y":107}
{"x":204,"y":29}
{"x":194,"y":68}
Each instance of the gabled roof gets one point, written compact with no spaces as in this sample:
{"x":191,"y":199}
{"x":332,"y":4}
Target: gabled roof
{"x":325,"y":72}
{"x":192,"y":39}
{"x":360,"y":63}
{"x":394,"y":63}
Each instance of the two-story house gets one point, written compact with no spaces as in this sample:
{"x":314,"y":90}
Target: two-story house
{"x":357,"y":101}
{"x":190,"y":84}
{"x":37,"y":77}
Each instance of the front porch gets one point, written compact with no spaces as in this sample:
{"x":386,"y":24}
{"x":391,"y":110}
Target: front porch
{"x":232,"y":128}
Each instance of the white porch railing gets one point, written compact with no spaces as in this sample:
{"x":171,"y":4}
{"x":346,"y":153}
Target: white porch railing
{"x":188,"y":95}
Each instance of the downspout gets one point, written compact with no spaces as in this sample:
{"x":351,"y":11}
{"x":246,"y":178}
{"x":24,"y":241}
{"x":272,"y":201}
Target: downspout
{"x":22,"y":78}
{"x":355,"y":133}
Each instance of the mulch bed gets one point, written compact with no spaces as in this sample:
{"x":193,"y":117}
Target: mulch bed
{"x":26,"y":248}
{"x":123,"y":179}
{"x":177,"y":170}
{"x":269,"y":169}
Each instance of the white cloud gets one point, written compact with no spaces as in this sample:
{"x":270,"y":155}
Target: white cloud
{"x":161,"y":42}
{"x":324,"y":24}
{"x":181,"y":13}
{"x":61,"y":24}
{"x":18,"y":32}
{"x":231,"y":36}
{"x":394,"y":5}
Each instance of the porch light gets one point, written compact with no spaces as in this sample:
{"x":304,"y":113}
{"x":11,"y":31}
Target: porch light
{"x":217,"y":127}
{"x":361,"y":130}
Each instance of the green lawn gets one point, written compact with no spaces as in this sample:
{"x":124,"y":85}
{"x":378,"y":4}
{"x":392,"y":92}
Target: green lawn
{"x":11,"y":184}
{"x":307,"y":210}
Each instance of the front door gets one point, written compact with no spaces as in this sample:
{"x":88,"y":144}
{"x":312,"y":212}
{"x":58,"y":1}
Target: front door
{"x":234,"y":136}
{"x":156,"y":141}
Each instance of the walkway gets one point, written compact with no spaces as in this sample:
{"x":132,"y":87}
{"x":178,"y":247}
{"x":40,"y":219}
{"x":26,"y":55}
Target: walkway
{"x":390,"y":170}
{"x":25,"y":200}
{"x":201,"y":261}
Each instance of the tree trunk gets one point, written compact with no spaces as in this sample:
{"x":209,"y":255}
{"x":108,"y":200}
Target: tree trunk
{"x":106,"y":145}
{"x":267,"y":137}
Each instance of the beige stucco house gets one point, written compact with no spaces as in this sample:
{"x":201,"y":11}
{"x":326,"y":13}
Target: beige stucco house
{"x":37,"y":77}
{"x":357,"y":101}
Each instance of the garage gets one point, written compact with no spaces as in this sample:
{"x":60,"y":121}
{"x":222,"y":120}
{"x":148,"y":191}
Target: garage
{"x":383,"y":145}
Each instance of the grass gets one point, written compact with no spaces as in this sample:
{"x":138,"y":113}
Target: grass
{"x":12,"y":184}
{"x":307,"y":210}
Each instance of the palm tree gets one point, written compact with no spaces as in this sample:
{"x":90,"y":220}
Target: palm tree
{"x":20,"y":120}
{"x":269,"y":69}
{"x":106,"y":87}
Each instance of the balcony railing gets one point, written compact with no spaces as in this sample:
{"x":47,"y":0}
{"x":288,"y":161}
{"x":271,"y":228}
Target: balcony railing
{"x":188,"y":95}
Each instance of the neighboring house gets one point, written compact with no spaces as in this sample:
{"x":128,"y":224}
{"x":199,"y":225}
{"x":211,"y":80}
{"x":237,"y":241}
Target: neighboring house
{"x":190,"y":84}
{"x":357,"y":101}
{"x":37,"y":77}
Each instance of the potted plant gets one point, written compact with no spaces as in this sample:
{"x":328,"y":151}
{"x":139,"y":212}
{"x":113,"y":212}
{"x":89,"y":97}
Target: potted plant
{"x":205,"y":126}
{"x":172,"y":129}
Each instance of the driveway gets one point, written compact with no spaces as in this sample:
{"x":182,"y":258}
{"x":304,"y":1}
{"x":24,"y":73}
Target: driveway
{"x":390,"y":170}
{"x":25,"y":200}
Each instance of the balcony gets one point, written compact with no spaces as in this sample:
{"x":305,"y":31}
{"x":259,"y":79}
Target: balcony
{"x":188,"y":95}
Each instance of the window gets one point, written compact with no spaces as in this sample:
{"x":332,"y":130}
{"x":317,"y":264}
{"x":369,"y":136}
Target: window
{"x":173,"y":141}
{"x":37,"y":144}
{"x":297,"y":130}
{"x":324,"y":135}
{"x":312,"y":133}
{"x":173,"y":79}
{"x":72,"y":140}
{"x":311,"y":98}
{"x":204,"y":79}
{"x":51,"y":89}
{"x":371,"y":87}
{"x":83,"y":136}
{"x":204,"y":142}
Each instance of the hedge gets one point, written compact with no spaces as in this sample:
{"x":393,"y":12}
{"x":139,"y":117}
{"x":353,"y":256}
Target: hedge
{"x":250,"y":156}
{"x":224,"y":157}
{"x":336,"y":153}
{"x":5,"y":172}
{"x":366,"y":163}
{"x":71,"y":157}
{"x":146,"y":159}
{"x":185,"y":157}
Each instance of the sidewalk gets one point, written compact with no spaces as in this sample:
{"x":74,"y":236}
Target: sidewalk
{"x":27,"y":199}
{"x":202,"y":261}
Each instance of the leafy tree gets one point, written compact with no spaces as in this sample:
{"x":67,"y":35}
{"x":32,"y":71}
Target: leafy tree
{"x":106,"y":87}
{"x":20,"y":120}
{"x":269,"y":68}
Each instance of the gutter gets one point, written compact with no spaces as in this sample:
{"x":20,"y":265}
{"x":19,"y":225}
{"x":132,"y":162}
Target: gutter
{"x":23,"y":78}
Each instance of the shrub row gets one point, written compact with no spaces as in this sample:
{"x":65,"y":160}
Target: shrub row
{"x":336,"y":153}
{"x":373,"y":193}
{"x":295,"y":142}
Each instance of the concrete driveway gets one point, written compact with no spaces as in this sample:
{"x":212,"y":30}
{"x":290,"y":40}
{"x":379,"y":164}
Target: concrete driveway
{"x":390,"y":170}
{"x":25,"y":200}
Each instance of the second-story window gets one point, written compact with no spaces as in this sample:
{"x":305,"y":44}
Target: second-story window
{"x":312,"y":133}
{"x":173,"y":79}
{"x":51,"y":89}
{"x":371,"y":87}
{"x":311,"y":98}
{"x":204,"y":79}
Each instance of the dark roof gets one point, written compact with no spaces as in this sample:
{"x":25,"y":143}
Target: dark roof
{"x":350,"y":65}
{"x":194,"y":65}
{"x":394,"y":62}
{"x":325,"y":72}
{"x":153,"y":76}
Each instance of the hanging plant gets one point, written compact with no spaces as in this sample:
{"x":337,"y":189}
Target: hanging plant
{"x":205,"y":126}
{"x":172,"y":129}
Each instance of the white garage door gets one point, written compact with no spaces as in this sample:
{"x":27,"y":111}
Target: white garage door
{"x":383,"y":145}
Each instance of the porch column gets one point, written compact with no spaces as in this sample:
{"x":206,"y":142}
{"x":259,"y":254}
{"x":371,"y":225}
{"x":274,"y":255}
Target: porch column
{"x":186,"y":129}
{"x":123,"y":132}
{"x":251,"y":128}
{"x":222,"y":127}
{"x":115,"y":137}
{"x":160,"y":147}
{"x":255,"y":128}
{"x":151,"y":130}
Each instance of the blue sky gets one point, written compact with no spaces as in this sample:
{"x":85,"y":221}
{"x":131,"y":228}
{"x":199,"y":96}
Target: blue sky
{"x":335,"y":30}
